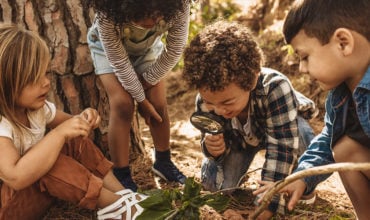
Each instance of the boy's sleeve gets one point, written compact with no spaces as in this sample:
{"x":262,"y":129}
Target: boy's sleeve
{"x":318,"y":153}
{"x":281,"y":133}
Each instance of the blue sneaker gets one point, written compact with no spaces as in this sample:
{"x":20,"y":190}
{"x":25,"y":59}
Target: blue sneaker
{"x":168,"y":171}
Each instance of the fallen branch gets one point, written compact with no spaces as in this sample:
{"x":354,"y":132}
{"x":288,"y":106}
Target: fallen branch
{"x":304,"y":173}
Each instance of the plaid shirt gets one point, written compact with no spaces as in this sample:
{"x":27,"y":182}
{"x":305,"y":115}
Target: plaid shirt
{"x":275,"y":106}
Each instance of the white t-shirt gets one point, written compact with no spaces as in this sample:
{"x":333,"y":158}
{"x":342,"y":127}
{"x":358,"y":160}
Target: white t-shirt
{"x":38,"y":120}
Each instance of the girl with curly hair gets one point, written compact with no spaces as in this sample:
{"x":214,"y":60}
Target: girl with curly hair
{"x":130,"y":59}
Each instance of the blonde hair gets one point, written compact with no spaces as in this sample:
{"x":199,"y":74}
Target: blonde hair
{"x":24,"y":59}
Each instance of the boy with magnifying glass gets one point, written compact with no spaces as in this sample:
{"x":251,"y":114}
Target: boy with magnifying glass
{"x":257,"y":107}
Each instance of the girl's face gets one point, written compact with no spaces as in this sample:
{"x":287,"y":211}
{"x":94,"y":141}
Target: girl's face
{"x":33,"y":96}
{"x":228,"y":103}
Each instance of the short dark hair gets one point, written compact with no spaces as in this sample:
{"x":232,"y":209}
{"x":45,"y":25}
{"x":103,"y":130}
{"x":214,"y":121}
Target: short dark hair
{"x":320,"y":18}
{"x":222,"y":53}
{"x":123,"y":11}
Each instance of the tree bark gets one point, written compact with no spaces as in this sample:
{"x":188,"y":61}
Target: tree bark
{"x":63,"y":24}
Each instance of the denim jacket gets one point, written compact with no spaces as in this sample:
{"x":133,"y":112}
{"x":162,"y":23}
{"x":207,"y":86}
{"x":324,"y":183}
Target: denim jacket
{"x":319,"y":152}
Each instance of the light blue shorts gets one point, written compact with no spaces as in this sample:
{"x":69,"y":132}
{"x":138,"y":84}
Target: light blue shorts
{"x":100,"y":61}
{"x":140,"y":62}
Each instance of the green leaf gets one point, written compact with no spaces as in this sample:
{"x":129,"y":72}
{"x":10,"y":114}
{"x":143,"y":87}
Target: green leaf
{"x":160,"y":200}
{"x":154,"y":214}
{"x":174,"y":204}
{"x":189,"y":213}
{"x":198,"y":201}
{"x":219,"y":202}
{"x":191,"y":189}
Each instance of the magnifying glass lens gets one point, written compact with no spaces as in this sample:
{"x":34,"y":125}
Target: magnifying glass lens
{"x":207,"y":123}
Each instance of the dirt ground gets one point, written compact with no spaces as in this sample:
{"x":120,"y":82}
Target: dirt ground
{"x":332,"y":201}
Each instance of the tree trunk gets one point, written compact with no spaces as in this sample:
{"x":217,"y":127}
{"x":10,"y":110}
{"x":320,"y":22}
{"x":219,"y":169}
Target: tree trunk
{"x":64,"y":24}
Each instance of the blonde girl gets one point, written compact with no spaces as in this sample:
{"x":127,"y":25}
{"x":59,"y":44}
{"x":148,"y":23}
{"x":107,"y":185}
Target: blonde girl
{"x":38,"y":166}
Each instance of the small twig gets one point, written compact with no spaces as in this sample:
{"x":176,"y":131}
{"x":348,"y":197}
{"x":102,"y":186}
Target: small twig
{"x":234,"y":188}
{"x":252,"y":171}
{"x":304,"y":173}
{"x":172,"y":214}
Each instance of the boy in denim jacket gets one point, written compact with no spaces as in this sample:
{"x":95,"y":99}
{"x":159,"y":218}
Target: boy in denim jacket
{"x":332,"y":39}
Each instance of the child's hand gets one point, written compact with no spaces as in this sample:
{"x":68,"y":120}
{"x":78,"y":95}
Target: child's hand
{"x":265,"y":215}
{"x":264,"y":187}
{"x":91,"y":116}
{"x":74,"y":127}
{"x":147,"y":111}
{"x":215,"y":144}
{"x":295,"y":190}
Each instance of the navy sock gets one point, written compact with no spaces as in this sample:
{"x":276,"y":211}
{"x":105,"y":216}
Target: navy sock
{"x":122,"y":172}
{"x":163,"y":155}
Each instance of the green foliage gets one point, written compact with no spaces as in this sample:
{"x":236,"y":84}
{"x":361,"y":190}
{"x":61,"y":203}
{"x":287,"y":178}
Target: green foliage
{"x":216,"y":9}
{"x":174,"y":204}
{"x":225,"y":9}
{"x":289,"y":49}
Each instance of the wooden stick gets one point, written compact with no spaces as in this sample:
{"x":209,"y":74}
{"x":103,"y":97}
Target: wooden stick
{"x":304,"y":173}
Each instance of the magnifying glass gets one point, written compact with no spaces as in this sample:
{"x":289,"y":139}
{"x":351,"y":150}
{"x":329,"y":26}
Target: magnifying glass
{"x":208,"y":122}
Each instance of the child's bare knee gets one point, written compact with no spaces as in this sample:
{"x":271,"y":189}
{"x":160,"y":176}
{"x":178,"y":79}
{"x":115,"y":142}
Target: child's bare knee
{"x":125,"y":106}
{"x":347,"y":149}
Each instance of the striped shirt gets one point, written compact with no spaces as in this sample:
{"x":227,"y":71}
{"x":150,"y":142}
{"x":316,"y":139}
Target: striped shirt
{"x":111,"y":37}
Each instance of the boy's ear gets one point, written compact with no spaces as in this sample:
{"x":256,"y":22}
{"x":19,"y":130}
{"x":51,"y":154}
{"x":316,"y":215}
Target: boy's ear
{"x":344,"y":39}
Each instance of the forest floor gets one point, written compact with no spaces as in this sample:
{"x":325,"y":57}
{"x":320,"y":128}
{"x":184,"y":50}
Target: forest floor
{"x":332,"y":201}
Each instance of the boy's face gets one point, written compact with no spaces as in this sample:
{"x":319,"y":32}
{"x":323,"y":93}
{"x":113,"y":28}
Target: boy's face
{"x":228,"y":103}
{"x":324,"y":63}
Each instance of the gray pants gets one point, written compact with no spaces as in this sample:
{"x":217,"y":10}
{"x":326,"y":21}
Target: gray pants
{"x":237,"y":162}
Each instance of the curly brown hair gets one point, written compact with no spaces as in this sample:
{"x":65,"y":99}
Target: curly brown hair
{"x":222,"y":53}
{"x":123,"y":11}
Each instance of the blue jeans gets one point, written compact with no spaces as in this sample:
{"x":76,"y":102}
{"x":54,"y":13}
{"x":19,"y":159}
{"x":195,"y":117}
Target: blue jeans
{"x":229,"y":173}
